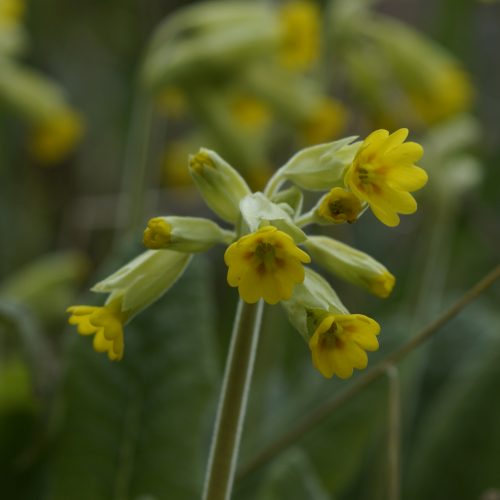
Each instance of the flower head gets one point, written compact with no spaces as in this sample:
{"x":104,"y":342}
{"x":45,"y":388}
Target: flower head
{"x":105,"y":323}
{"x":340,"y":206}
{"x":266,"y":264}
{"x":339,"y":343}
{"x":383,"y":174}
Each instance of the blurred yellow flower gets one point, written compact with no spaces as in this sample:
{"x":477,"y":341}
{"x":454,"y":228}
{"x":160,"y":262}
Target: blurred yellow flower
{"x":325,"y":123}
{"x":383,"y":174}
{"x":340,"y":206}
{"x":54,"y":138}
{"x":266,"y":264}
{"x":175,"y":164}
{"x":300,"y":21}
{"x":11,"y":11}
{"x":250,"y":112}
{"x":448,"y":92}
{"x":339,"y":343}
{"x":105,"y":323}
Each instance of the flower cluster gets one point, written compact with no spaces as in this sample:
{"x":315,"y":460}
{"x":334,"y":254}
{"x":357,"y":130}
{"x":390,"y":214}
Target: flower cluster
{"x":263,"y":256}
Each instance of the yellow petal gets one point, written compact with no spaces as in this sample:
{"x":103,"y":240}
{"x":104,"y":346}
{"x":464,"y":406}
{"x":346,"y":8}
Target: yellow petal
{"x":342,"y":366}
{"x":407,"y":179}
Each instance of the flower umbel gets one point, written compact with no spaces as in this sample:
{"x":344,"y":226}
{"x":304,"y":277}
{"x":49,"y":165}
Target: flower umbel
{"x":339,"y":343}
{"x":266,"y":264}
{"x":105,"y":323}
{"x":383,"y":174}
{"x":340,"y":206}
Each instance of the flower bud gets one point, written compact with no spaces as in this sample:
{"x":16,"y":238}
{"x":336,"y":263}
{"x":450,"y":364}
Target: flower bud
{"x":351,"y":265}
{"x":184,"y":234}
{"x":322,"y":166}
{"x":338,"y":206}
{"x":220,"y":185}
{"x":143,"y":280}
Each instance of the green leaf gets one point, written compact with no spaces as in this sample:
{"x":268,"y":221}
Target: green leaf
{"x":135,"y":428}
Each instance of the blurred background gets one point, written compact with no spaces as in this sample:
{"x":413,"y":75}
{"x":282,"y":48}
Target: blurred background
{"x":101,"y":102}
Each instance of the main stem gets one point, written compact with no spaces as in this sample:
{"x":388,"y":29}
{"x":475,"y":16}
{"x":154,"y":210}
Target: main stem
{"x":233,"y":402}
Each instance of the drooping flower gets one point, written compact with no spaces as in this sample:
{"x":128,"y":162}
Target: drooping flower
{"x":383,"y":174}
{"x":340,"y":206}
{"x":105,"y":323}
{"x":266,"y":264}
{"x":339,"y":343}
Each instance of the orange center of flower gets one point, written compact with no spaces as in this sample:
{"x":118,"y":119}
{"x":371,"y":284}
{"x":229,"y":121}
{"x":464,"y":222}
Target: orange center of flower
{"x":265,"y":257}
{"x":330,"y":339}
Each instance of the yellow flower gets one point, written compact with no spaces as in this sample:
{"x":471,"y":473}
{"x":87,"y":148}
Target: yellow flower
{"x":326,"y":121}
{"x":383,"y":174}
{"x":340,"y":206}
{"x":266,"y":264}
{"x":105,"y":323}
{"x":339,"y":343}
{"x":300,"y":22}
{"x":56,"y":137}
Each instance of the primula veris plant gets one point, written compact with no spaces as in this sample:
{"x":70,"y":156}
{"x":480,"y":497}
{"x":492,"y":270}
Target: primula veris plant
{"x":263,"y":251}
{"x":383,"y":174}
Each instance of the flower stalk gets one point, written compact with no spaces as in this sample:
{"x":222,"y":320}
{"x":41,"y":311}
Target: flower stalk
{"x":233,"y":402}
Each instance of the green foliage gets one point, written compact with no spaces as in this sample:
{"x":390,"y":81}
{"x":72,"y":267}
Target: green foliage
{"x":134,"y":429}
{"x":293,"y":477}
{"x":455,"y":454}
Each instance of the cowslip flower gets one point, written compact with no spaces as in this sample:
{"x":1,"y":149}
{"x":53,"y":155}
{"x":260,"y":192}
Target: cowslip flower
{"x":340,"y":206}
{"x":265,"y":264}
{"x":105,"y":323}
{"x":130,"y":289}
{"x":339,"y":343}
{"x":383,"y":174}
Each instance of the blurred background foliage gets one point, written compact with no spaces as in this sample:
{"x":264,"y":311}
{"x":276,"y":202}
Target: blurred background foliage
{"x":97,"y":116}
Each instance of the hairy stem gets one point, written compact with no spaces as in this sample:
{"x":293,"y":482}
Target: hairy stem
{"x":232,"y":403}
